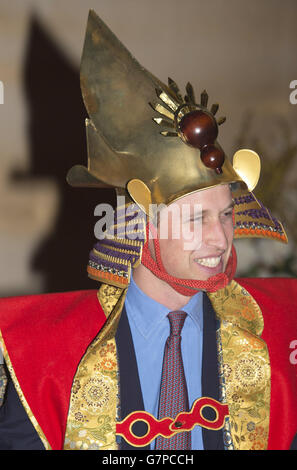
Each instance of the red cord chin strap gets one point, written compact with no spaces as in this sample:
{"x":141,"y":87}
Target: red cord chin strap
{"x":186,"y":287}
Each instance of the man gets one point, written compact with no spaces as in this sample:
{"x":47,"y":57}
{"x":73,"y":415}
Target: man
{"x":171,"y":352}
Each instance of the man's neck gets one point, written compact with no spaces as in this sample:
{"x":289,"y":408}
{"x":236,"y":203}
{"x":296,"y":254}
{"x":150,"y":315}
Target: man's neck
{"x":158,"y":290}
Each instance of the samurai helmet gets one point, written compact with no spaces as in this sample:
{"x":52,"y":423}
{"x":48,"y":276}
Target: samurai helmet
{"x":151,"y":143}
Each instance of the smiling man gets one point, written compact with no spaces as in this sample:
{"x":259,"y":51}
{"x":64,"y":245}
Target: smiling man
{"x":194,"y":238}
{"x":210,"y":256}
{"x":211,"y":228}
{"x":171,"y":353}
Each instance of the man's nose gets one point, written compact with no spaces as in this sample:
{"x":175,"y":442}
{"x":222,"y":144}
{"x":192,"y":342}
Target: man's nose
{"x":215,"y":235}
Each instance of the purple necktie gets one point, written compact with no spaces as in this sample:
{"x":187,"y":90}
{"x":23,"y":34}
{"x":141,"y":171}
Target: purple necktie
{"x":173,"y":393}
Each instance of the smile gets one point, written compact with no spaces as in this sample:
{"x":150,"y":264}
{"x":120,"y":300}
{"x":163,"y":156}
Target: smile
{"x":209,"y":262}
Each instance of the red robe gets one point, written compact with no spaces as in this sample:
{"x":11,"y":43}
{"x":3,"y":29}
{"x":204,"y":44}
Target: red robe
{"x":46,"y":336}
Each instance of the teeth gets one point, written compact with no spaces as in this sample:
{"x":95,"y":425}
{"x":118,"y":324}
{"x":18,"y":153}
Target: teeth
{"x":209,"y":262}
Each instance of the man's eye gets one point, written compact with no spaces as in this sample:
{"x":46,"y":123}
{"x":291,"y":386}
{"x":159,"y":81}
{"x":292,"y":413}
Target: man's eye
{"x":228,"y":213}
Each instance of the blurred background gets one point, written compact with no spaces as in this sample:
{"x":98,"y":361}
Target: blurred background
{"x":243,"y":53}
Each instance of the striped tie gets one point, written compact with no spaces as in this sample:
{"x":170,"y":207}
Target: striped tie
{"x":173,"y":393}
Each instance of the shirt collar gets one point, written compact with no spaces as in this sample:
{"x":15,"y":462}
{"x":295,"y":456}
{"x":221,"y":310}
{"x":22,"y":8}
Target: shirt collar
{"x":147,"y":313}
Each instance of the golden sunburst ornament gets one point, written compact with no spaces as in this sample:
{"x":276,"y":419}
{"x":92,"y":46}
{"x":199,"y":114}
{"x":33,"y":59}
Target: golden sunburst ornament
{"x":192,"y":122}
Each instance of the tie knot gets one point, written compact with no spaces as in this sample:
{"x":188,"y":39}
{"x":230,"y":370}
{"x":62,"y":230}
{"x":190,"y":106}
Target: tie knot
{"x":176,"y":320}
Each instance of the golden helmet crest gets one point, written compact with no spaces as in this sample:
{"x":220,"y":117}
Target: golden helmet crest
{"x":146,"y":139}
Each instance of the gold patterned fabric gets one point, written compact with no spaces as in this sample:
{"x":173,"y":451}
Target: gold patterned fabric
{"x":94,"y":395}
{"x":91,"y":418}
{"x":244,"y":368}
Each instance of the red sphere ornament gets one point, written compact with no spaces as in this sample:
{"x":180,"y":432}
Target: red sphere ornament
{"x":213,"y":157}
{"x":198,"y":128}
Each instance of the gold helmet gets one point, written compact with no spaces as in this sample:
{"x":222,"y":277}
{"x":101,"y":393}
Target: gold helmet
{"x":148,"y":141}
{"x":154,"y":146}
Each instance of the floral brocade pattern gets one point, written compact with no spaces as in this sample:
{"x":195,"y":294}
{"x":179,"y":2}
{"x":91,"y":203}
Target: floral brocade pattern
{"x":91,"y":416}
{"x":244,"y":366}
{"x":91,"y":422}
{"x":108,"y":296}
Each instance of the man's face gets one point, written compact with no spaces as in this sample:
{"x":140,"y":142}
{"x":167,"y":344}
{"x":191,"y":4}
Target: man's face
{"x":212,"y":222}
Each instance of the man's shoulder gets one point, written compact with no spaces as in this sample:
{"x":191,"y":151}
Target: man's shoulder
{"x":274,"y":292}
{"x":54,"y":316}
{"x":53,"y":307}
{"x":269,"y":285}
{"x":277,"y":299}
{"x":43,"y":301}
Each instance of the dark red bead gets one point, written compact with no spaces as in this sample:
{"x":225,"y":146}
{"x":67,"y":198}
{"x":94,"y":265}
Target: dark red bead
{"x":212,"y":157}
{"x":198,"y":128}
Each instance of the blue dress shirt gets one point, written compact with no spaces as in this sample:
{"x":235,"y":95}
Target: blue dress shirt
{"x":150,"y":329}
